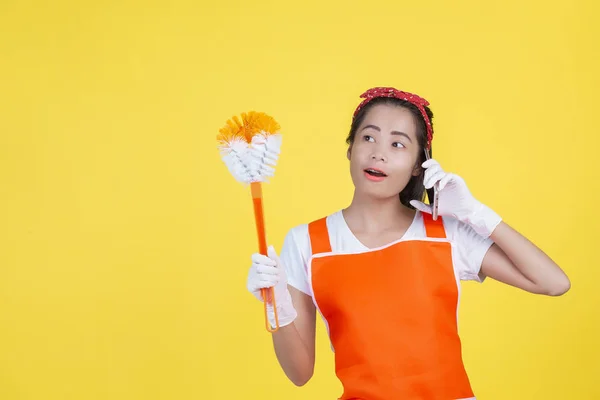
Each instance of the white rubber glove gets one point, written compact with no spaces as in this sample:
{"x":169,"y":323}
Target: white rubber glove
{"x":456,"y":200}
{"x":269,"y":272}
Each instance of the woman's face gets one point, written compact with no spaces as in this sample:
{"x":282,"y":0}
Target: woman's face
{"x":385,"y":152}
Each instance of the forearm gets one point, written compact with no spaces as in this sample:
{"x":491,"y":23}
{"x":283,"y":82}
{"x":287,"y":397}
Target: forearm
{"x":293,"y":354}
{"x":295,"y":315}
{"x":531,"y":261}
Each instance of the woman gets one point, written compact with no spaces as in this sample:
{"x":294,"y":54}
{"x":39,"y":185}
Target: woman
{"x":384,"y":275}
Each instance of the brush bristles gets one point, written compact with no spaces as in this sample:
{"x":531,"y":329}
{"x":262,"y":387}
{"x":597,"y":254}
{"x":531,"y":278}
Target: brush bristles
{"x":235,"y":155}
{"x":250,"y":147}
{"x":252,"y":162}
{"x":251,"y":124}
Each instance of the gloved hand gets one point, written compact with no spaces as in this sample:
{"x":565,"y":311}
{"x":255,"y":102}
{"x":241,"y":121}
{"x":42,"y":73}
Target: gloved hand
{"x":266,"y":272}
{"x":456,"y":200}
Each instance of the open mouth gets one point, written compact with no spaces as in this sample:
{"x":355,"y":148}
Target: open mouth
{"x":375,"y":172}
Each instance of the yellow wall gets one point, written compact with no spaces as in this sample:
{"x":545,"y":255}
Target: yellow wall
{"x":125,"y":243}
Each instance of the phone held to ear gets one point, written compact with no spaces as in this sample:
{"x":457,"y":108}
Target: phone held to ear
{"x":433,"y":202}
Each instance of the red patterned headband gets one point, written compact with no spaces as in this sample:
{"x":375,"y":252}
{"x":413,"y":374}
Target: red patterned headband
{"x":419,"y":102}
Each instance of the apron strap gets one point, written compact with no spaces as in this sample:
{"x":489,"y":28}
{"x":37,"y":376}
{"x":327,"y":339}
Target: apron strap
{"x":434,"y":229}
{"x":319,"y":236}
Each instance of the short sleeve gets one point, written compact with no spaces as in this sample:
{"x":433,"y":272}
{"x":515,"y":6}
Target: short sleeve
{"x":471,"y":248}
{"x":294,"y":258}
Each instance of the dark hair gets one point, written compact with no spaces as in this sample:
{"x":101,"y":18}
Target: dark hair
{"x":414,"y":190}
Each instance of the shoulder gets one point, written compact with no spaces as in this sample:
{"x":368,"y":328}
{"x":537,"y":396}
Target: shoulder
{"x":452,"y":228}
{"x":296,"y":253}
{"x":456,"y":231}
{"x":299,"y":235}
{"x":470,"y":248}
{"x":462,"y":233}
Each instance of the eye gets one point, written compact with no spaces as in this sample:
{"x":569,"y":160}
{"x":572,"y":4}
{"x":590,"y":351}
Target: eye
{"x":368,"y":138}
{"x":398,"y":144}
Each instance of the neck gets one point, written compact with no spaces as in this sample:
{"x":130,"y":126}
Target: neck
{"x":369,"y":214}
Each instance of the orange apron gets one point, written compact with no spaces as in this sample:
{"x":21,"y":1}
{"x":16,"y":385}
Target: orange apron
{"x":391,"y":314}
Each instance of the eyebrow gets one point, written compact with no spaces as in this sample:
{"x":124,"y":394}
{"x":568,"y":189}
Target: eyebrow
{"x":392,"y":132}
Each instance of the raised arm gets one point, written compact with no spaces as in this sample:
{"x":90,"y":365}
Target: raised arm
{"x":512,"y":259}
{"x":516,"y":261}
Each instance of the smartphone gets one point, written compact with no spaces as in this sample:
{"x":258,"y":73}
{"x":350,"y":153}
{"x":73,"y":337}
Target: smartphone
{"x":434,"y":192}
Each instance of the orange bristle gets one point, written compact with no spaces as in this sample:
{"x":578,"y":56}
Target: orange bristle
{"x":252,"y":123}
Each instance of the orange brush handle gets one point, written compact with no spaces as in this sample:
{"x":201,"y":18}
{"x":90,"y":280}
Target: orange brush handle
{"x":268,"y":294}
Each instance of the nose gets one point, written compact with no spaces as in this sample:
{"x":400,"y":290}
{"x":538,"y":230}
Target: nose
{"x":378,"y":156}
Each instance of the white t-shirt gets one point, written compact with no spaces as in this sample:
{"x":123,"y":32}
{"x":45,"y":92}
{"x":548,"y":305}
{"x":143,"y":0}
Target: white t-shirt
{"x":468,"y":247}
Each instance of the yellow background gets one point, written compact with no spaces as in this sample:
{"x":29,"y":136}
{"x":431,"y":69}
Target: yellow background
{"x":125,"y":243}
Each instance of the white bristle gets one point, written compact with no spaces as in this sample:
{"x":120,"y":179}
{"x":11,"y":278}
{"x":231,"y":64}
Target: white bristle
{"x":237,"y":157}
{"x":252,"y":162}
{"x":265,"y":153}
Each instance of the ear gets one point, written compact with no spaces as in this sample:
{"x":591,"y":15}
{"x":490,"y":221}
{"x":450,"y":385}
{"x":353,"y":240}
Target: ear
{"x":348,"y":152}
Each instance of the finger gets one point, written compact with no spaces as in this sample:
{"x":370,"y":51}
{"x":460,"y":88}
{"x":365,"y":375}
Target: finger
{"x":445,"y":181}
{"x":263,"y":269}
{"x":258,"y":283}
{"x":429,"y":163}
{"x":258,"y":258}
{"x":273,"y":254}
{"x":435,"y":178}
{"x":432,"y":169}
{"x":421,"y":206}
{"x":267,"y":283}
